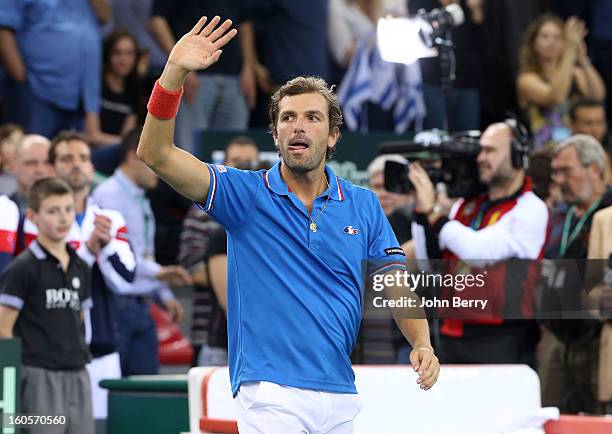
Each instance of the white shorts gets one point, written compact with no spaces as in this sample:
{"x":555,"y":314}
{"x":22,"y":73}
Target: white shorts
{"x":102,"y":368}
{"x":268,"y":408}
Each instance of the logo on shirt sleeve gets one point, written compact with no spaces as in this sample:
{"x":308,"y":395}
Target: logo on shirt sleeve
{"x":395,"y":251}
{"x":221,"y":168}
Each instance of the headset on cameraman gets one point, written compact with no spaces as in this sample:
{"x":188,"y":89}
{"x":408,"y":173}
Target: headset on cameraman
{"x":520,"y":143}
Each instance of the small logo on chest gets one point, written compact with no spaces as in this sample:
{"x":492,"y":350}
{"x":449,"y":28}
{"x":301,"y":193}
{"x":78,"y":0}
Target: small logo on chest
{"x":350,"y":230}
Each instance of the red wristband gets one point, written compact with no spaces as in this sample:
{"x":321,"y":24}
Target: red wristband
{"x":163,"y":103}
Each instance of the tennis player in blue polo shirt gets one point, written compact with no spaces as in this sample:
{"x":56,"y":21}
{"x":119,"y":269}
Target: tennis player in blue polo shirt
{"x":297,"y":236}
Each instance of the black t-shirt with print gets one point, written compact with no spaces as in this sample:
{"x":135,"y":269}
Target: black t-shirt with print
{"x":115,"y":107}
{"x":49,"y":301}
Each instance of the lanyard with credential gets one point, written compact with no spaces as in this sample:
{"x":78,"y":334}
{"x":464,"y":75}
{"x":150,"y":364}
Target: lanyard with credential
{"x":567,"y":239}
{"x":482,"y":210}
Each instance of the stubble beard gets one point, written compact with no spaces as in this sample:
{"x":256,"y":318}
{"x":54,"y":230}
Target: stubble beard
{"x":310,"y":162}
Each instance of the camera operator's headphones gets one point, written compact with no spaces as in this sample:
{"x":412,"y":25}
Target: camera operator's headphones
{"x":520,"y":143}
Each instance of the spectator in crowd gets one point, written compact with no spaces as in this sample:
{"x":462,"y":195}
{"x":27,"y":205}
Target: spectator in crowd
{"x":569,"y":348}
{"x":399,"y":209}
{"x":203,"y":252}
{"x":100,"y":237}
{"x":31,"y":164}
{"x":464,"y":112}
{"x":119,"y":107}
{"x":9,"y":221}
{"x":589,"y":117}
{"x":302,"y":50}
{"x":504,"y":24}
{"x":219,"y":97}
{"x":214,"y":350}
{"x":10,"y":136}
{"x":600,"y":247}
{"x":134,"y":15}
{"x":125,"y":192}
{"x":555,"y":69}
{"x":44,"y":294}
{"x":347,"y":23}
{"x":51,"y":51}
{"x":508,"y":221}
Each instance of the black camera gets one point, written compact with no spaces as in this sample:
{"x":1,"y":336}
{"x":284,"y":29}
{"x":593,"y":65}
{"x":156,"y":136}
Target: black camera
{"x":450,"y":160}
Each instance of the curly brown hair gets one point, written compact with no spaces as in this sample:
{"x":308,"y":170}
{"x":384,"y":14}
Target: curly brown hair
{"x":301,"y":85}
{"x":528,"y":58}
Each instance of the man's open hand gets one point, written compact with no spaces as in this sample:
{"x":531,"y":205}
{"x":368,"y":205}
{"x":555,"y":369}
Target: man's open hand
{"x":201,"y":47}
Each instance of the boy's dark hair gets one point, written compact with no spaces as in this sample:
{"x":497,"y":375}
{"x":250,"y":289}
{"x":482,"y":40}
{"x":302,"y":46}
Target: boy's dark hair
{"x":65,"y":136}
{"x":130,"y":143}
{"x":43,"y":188}
{"x":584,"y":103}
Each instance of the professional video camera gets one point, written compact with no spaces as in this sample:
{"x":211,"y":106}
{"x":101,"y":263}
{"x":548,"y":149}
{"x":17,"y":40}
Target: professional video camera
{"x":448,"y":159}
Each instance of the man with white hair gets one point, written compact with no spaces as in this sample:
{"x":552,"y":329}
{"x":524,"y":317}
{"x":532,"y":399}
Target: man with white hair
{"x":569,"y":348}
{"x":398,"y":208}
{"x":31,"y":163}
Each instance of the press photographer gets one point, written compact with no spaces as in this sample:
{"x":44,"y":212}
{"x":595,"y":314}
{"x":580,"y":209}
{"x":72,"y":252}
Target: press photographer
{"x":507,"y":221}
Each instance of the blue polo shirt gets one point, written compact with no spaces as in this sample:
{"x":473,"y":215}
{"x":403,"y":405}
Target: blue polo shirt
{"x":295,"y":296}
{"x":61,"y":45}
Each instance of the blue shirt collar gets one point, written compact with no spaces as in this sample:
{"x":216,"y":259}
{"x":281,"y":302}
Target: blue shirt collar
{"x":274,"y":181}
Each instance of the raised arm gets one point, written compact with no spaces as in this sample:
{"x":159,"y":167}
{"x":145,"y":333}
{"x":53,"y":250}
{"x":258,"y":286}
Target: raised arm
{"x":198,"y":49}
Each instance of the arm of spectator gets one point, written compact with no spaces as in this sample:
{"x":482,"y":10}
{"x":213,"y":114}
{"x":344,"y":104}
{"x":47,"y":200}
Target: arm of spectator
{"x":199,"y":275}
{"x":339,"y":37}
{"x":217,"y":268}
{"x":248,"y":82}
{"x":116,"y":259}
{"x":198,"y":49}
{"x":174,"y":275}
{"x":520,"y":234}
{"x":476,"y":11}
{"x":102,"y":9}
{"x":160,"y":29}
{"x":130,"y":122}
{"x":532,"y":88}
{"x":11,"y":56}
{"x":589,"y":82}
{"x":8,"y":317}
{"x":174,"y":308}
{"x":95,"y":134}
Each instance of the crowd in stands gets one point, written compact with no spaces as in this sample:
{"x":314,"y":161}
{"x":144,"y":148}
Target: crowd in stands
{"x":74,"y":82}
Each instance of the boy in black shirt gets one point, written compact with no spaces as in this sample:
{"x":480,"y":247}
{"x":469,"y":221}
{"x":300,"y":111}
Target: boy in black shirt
{"x":43,"y":293}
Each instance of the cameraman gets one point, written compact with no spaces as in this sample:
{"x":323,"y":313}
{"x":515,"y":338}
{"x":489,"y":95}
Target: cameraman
{"x":508,"y":221}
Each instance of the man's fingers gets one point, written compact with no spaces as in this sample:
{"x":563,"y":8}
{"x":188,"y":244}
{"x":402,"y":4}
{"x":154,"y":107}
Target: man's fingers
{"x":210,"y":26}
{"x":216,"y":55}
{"x":431,"y":379}
{"x":426,"y":358}
{"x":198,"y":27}
{"x":414,"y":360}
{"x":219,"y":31}
{"x":225,"y":39}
